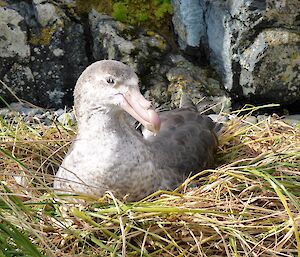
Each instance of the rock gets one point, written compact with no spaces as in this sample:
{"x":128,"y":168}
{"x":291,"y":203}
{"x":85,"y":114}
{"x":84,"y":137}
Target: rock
{"x":189,"y":23}
{"x":19,"y":78}
{"x":216,"y":104}
{"x":250,"y":119}
{"x":222,"y":104}
{"x":261,"y":118}
{"x":22,"y":180}
{"x":13,"y":48}
{"x":25,"y":109}
{"x":13,"y":41}
{"x":4,"y":112}
{"x":45,"y":13}
{"x":114,"y":40}
{"x":253,"y":45}
{"x":245,"y":39}
{"x":174,"y":75}
{"x":157,"y":91}
{"x":218,"y":118}
{"x":34,"y":115}
{"x":293,"y":120}
{"x":59,"y":112}
{"x":46,"y":74}
{"x":195,"y":81}
{"x":278,"y":49}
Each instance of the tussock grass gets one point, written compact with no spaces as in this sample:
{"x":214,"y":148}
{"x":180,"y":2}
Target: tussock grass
{"x":248,"y":206}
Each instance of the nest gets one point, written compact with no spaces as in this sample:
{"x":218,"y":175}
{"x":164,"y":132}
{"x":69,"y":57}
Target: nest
{"x":248,"y":206}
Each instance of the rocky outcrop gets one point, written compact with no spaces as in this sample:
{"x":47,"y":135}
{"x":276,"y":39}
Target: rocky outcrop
{"x":42,"y":52}
{"x":254,"y":45}
{"x":46,"y":46}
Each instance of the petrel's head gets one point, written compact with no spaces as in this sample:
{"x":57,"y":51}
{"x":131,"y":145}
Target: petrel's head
{"x":112,"y":86}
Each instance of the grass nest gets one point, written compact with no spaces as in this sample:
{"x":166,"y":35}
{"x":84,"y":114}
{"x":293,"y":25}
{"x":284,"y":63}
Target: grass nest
{"x":248,"y":206}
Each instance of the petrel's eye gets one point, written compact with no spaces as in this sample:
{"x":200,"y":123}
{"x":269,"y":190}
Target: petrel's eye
{"x":110,"y":80}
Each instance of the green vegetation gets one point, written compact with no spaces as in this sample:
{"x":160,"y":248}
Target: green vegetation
{"x":163,"y":7}
{"x":45,"y":36}
{"x":248,"y":206}
{"x":120,"y":12}
{"x":150,"y":13}
{"x":3,"y":3}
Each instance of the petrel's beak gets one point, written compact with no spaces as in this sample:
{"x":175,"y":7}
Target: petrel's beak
{"x":139,"y":108}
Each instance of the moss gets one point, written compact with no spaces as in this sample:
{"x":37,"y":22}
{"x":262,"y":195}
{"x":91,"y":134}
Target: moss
{"x":163,"y":8}
{"x":84,"y":6}
{"x":151,"y":33}
{"x":295,"y":56}
{"x":142,"y":17}
{"x":3,"y":3}
{"x":71,"y":9}
{"x":162,"y":42}
{"x":120,"y":12}
{"x":153,"y":14}
{"x":44,"y":37}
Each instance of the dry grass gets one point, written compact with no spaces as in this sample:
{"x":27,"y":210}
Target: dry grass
{"x":248,"y":206}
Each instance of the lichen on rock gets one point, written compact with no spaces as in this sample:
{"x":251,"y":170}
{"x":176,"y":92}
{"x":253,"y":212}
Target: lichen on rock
{"x":46,"y":13}
{"x":253,"y":45}
{"x":13,"y":40}
{"x":271,"y":66}
{"x":43,"y":39}
{"x":115,"y":40}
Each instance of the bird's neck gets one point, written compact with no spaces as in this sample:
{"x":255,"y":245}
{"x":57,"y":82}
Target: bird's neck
{"x":104,"y":126}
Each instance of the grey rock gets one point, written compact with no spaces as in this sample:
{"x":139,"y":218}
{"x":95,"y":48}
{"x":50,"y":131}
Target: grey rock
{"x":218,"y":118}
{"x":189,"y":23}
{"x":48,"y":115}
{"x":174,"y":75}
{"x":245,"y":38}
{"x":253,"y":45}
{"x":22,"y":180}
{"x":293,"y":120}
{"x":157,"y":92}
{"x":46,"y":75}
{"x":34,"y":115}
{"x":45,"y":13}
{"x":59,"y":112}
{"x":270,"y":67}
{"x":25,"y":109}
{"x":250,"y":119}
{"x":222,"y":104}
{"x":13,"y":39}
{"x":39,"y":1}
{"x":114,"y":40}
{"x":214,"y":105}
{"x":261,"y":118}
{"x":20,"y":80}
{"x":195,"y":81}
{"x":4,"y":111}
{"x":17,"y":106}
{"x":13,"y":44}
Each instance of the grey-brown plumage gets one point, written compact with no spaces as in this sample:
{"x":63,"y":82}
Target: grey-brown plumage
{"x":109,"y":154}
